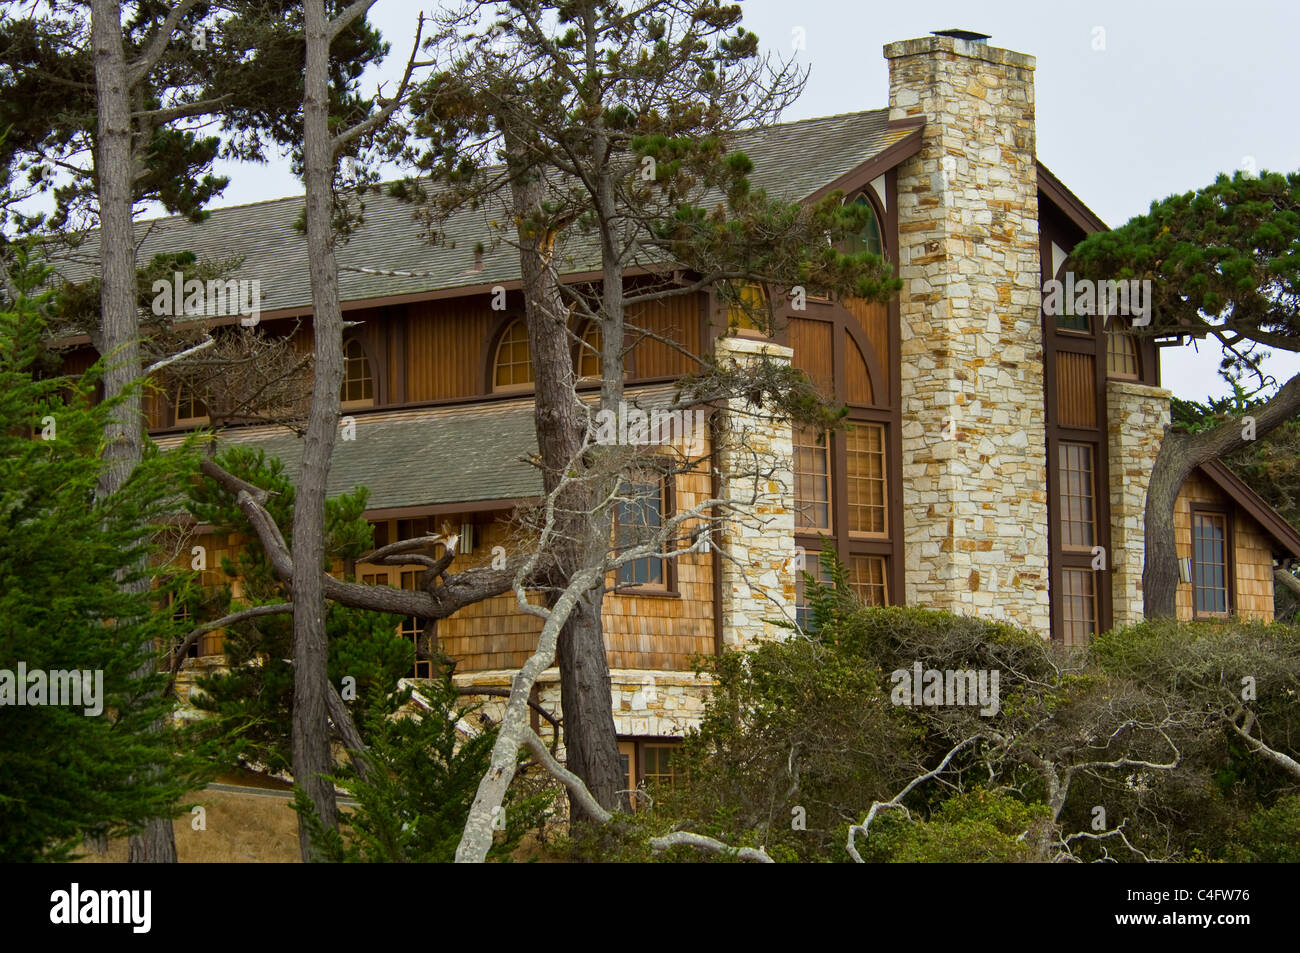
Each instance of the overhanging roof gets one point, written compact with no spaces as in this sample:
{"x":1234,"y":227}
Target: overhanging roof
{"x":791,"y":161}
{"x":1285,"y":536}
{"x":465,"y":458}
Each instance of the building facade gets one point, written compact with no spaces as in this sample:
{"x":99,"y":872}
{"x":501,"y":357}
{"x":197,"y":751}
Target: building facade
{"x":994,"y":458}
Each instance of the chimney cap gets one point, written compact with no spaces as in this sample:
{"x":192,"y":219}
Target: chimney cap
{"x":968,"y":35}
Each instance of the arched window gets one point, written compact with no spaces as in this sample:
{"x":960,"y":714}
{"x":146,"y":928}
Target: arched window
{"x":589,"y":351}
{"x":868,"y":239}
{"x":190,"y":410}
{"x":358,"y":381}
{"x":512,"y":367}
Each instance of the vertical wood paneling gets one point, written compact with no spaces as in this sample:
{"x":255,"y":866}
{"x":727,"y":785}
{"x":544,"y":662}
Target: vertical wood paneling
{"x":1076,"y":389}
{"x":677,"y":319}
{"x":857,"y":382}
{"x":874,"y":319}
{"x":811,"y":342}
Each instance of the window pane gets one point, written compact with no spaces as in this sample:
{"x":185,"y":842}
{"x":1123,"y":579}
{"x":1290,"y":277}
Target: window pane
{"x":1210,"y":563}
{"x":1078,"y":606}
{"x":865,"y":465}
{"x":637,"y":520}
{"x":812,"y":484}
{"x":1078,"y":527}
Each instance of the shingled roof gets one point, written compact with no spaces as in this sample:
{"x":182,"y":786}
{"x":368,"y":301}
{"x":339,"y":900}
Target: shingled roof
{"x":791,"y":161}
{"x":470,"y":454}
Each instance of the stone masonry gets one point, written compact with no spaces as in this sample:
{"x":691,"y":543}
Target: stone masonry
{"x":1137,"y":416}
{"x":974,"y":460}
{"x":756,"y":464}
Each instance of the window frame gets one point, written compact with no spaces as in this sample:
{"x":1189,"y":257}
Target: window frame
{"x":494,"y":363}
{"x":1117,"y":328}
{"x":828,"y":474}
{"x":177,"y":420}
{"x":667,"y":503}
{"x":634,"y":749}
{"x":1229,"y":564}
{"x":371,"y":370}
{"x":1063,"y":509}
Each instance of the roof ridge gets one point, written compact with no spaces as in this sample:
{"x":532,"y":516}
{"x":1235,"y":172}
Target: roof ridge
{"x":298,"y":196}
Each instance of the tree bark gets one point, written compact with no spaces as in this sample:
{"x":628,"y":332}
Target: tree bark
{"x":119,"y":339}
{"x":582,"y":537}
{"x":1180,"y":453}
{"x":310,"y":727}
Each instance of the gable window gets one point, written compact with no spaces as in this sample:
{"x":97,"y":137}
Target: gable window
{"x":812,"y":481}
{"x":1210,"y":564}
{"x":1078,"y":522}
{"x":190,"y":410}
{"x":638,"y":519}
{"x":512,"y":367}
{"x":864,"y":445}
{"x":358,"y":382}
{"x":868,"y":239}
{"x":589,"y":352}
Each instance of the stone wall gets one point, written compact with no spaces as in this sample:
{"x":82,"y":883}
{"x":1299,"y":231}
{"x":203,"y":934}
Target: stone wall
{"x":756,"y":468}
{"x":975,"y":515}
{"x":1137,"y":416}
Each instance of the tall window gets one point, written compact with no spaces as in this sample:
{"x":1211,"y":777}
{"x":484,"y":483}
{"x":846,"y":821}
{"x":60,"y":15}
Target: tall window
{"x":1121,"y":352}
{"x":812,"y":481}
{"x":1210,"y":563}
{"x":865,"y":465}
{"x":1079,"y":606}
{"x":868,"y":239}
{"x":512,"y":369}
{"x":638,"y":518}
{"x":590,"y":350}
{"x":1078,"y":521}
{"x":358,"y":381}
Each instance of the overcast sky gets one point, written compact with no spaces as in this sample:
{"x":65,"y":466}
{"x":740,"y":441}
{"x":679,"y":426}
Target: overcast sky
{"x":1136,"y":100}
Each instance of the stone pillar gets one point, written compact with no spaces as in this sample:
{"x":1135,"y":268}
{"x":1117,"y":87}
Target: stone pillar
{"x":975,"y":517}
{"x":756,"y":471}
{"x":1137,"y":415}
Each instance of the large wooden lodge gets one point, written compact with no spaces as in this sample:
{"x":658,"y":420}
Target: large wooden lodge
{"x":991,"y":448}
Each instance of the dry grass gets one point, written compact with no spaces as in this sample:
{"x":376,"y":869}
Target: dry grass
{"x":248,"y":828}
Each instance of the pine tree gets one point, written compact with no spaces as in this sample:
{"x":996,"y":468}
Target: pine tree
{"x":99,"y":769}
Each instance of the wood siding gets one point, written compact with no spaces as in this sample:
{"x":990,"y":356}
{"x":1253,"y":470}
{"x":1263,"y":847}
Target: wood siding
{"x":1252,"y":577}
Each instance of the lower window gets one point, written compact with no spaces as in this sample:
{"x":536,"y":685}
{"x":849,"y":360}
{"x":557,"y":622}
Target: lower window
{"x":648,"y":764}
{"x":1210,"y":564}
{"x":1078,"y":606}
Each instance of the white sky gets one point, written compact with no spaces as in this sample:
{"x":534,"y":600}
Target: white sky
{"x":1182,"y":91}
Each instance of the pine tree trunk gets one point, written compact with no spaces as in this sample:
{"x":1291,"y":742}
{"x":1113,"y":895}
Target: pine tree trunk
{"x":590,"y":740}
{"x":119,"y":338}
{"x":310,"y":729}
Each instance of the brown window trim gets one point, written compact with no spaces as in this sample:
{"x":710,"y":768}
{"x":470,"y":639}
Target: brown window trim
{"x":1092,"y":481}
{"x":669,"y":589}
{"x":1229,"y":558}
{"x":636,"y":761}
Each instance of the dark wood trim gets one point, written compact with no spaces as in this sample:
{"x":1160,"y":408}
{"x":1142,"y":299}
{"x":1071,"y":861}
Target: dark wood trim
{"x":1229,"y":556}
{"x":894,"y":433}
{"x":442,"y":509}
{"x":1283,"y":533}
{"x":715,"y":492}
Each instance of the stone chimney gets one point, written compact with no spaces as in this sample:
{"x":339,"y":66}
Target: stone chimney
{"x":974,"y":443}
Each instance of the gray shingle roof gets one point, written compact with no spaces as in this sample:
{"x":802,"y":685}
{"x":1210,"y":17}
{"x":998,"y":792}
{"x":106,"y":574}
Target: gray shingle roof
{"x":465,"y":454}
{"x":791,"y":161}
